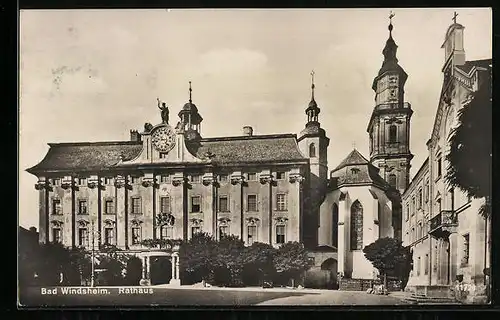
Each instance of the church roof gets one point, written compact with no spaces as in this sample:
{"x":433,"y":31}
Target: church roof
{"x":90,"y":156}
{"x":352,"y":159}
{"x":357,"y":170}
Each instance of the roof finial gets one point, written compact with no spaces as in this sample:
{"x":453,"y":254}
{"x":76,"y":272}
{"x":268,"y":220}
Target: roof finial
{"x":354,"y":144}
{"x":312,"y":85}
{"x":190,"y":93}
{"x":391,"y":15}
{"x":455,"y":14}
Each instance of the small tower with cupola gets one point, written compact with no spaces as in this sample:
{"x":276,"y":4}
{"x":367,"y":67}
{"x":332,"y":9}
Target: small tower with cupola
{"x":313,"y":143}
{"x":190,"y":119}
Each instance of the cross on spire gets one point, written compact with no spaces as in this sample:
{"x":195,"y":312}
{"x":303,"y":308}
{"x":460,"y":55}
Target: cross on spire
{"x":312,"y":84}
{"x":190,"y":93}
{"x":455,"y":14}
{"x":391,"y":15}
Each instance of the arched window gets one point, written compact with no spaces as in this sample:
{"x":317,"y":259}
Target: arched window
{"x":356,"y":226}
{"x":393,"y":133}
{"x":312,"y":150}
{"x":335,"y":225}
{"x":392,"y":180}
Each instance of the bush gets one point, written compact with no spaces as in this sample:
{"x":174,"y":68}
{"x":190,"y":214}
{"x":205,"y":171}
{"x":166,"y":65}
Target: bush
{"x":133,"y":272}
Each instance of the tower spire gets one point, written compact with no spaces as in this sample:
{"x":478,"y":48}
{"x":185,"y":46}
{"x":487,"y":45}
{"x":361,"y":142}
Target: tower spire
{"x":312,"y":85}
{"x":391,"y":15}
{"x":190,"y":93}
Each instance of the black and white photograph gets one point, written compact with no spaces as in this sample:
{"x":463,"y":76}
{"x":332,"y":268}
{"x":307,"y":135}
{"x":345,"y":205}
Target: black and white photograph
{"x":254,"y":157}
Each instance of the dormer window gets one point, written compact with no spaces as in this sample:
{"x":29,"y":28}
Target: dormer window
{"x":355,"y":170}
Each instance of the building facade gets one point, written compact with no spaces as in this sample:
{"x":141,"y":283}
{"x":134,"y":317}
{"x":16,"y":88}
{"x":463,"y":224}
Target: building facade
{"x":449,"y":238}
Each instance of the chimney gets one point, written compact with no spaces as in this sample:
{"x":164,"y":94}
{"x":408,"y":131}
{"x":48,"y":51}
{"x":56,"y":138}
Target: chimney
{"x":247,"y":131}
{"x":135,"y":136}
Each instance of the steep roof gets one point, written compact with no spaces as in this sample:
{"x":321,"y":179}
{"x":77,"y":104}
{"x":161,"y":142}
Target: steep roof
{"x":356,"y":170}
{"x":90,"y":156}
{"x":352,"y":159}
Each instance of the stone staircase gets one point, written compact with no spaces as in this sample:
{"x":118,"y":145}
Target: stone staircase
{"x":420,"y":299}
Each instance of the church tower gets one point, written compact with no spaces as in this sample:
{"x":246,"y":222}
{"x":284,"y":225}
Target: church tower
{"x":313,"y":143}
{"x":389,"y":126}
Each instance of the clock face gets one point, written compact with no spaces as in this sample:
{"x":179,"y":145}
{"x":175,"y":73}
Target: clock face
{"x":163,"y":139}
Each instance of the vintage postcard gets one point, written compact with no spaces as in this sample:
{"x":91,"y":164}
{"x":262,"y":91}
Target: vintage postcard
{"x":254,"y":157}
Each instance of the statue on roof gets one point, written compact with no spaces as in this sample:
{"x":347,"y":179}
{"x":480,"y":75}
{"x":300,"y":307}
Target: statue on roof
{"x":164,"y":111}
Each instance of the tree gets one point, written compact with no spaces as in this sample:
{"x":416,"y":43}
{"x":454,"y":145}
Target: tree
{"x":197,"y":256}
{"x":133,"y":273}
{"x":389,"y":256}
{"x":228,"y":260}
{"x":258,"y":260}
{"x":291,"y":260}
{"x":471,"y":147}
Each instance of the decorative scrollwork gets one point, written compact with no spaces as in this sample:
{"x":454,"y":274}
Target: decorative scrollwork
{"x":57,"y":223}
{"x":264,"y":179}
{"x":109,"y":223}
{"x":92,"y":184}
{"x":177,"y":181}
{"x":224,"y":221}
{"x":237,"y":180}
{"x":295,"y":178}
{"x":83,"y":223}
{"x":66,"y":185}
{"x":281,"y":220}
{"x":136,"y":222}
{"x":196,"y":222}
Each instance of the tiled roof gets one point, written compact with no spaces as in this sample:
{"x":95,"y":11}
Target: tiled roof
{"x":353,"y":158}
{"x":104,"y":155}
{"x":86,"y":155}
{"x":467,"y":67}
{"x":249,"y":149}
{"x":356,"y":170}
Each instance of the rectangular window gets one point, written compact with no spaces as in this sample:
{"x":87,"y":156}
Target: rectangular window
{"x":195,"y":230}
{"x":418,"y":266}
{"x":466,"y":249}
{"x":223,"y":178}
{"x":136,"y":235}
{"x":108,"y":180}
{"x":439,"y":169}
{"x":251,"y":176}
{"x":280,"y":175}
{"x":83,"y":237}
{"x":281,"y":202}
{"x":165,"y":204}
{"x":251,"y":234}
{"x":56,"y":182}
{"x":165,"y":178}
{"x":56,"y":206}
{"x":109,"y":235}
{"x":420,"y":230}
{"x":134,"y":180}
{"x":196,"y":178}
{"x":167,"y":232}
{"x":56,"y":235}
{"x":82,"y":207}
{"x":426,"y":262}
{"x":251,"y":202}
{"x":413,"y":206}
{"x":82,"y":181}
{"x":407,"y":211}
{"x":109,"y":207}
{"x":195,"y":204}
{"x":438,"y":205}
{"x":280,"y":234}
{"x":163,"y":155}
{"x":223,"y":231}
{"x":223,"y":204}
{"x":136,"y":205}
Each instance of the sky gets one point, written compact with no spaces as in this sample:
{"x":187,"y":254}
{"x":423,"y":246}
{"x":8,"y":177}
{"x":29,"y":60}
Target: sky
{"x":92,"y":75}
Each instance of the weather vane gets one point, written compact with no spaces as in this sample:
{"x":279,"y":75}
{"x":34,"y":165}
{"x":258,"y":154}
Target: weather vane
{"x":391,"y":15}
{"x":455,"y":14}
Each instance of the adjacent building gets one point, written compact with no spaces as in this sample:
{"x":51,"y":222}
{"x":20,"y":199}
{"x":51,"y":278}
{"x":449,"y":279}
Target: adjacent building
{"x":448,"y":237}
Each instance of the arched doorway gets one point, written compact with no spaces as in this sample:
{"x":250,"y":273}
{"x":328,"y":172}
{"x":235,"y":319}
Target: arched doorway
{"x":330,"y":266}
{"x":335,"y":225}
{"x":161,"y":270}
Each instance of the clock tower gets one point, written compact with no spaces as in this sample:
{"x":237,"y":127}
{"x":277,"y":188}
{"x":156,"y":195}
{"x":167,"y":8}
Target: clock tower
{"x":389,"y":126}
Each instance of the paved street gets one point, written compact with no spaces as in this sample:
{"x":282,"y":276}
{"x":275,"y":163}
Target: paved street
{"x":164,"y":296}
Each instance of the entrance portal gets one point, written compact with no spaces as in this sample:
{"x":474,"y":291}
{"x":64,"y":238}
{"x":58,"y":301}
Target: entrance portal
{"x":161,"y":270}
